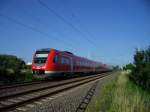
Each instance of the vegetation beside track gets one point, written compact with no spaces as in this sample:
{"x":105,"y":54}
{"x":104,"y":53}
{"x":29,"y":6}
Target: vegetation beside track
{"x":121,"y":95}
{"x":13,"y":70}
{"x":140,"y":69}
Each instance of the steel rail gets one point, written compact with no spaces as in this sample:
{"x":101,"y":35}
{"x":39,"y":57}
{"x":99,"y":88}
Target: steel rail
{"x":40,"y":93}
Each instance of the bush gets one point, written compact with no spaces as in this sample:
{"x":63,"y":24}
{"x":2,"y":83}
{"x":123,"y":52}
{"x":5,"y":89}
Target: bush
{"x":10,"y":69}
{"x":10,"y":61}
{"x":141,"y":68}
{"x":129,"y":66}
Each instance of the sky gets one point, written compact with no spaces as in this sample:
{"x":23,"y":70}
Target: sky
{"x":107,"y":31}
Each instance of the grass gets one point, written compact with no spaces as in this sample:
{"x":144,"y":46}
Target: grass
{"x":28,"y":77}
{"x":121,"y":95}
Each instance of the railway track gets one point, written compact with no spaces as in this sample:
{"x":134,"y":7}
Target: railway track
{"x":19,"y":84}
{"x":14,"y":90}
{"x":11,"y":101}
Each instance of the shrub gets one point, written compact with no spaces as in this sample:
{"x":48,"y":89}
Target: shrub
{"x":10,"y":69}
{"x":141,"y":68}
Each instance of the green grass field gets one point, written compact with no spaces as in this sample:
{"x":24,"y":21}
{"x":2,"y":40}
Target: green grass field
{"x":121,"y":95}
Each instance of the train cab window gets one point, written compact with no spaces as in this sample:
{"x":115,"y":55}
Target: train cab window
{"x":55,"y":60}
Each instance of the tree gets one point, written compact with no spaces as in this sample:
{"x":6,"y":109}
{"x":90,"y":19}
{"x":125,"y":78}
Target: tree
{"x":129,"y":66}
{"x":10,"y":68}
{"x":116,"y":67}
{"x":10,"y":61}
{"x":141,"y":70}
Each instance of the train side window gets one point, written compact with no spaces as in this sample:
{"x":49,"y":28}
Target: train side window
{"x":62,"y":60}
{"x":55,"y":60}
{"x":68,"y":61}
{"x":65,"y":61}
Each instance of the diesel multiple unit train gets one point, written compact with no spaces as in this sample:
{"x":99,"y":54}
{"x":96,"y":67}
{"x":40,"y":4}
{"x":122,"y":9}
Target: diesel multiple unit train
{"x":50,"y":62}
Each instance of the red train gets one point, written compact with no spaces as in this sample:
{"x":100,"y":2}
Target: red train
{"x":54,"y":63}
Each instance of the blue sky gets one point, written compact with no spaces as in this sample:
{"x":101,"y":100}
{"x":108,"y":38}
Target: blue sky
{"x":103,"y":30}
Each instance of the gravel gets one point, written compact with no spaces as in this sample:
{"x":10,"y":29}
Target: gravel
{"x":67,"y":101}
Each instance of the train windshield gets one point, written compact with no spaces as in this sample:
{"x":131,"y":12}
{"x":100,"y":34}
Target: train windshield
{"x":41,"y":57}
{"x":41,"y":54}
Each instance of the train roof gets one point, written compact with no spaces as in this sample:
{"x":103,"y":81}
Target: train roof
{"x":70,"y":53}
{"x":48,"y":49}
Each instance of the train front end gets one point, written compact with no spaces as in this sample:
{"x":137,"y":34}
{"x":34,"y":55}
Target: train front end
{"x":42,"y":63}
